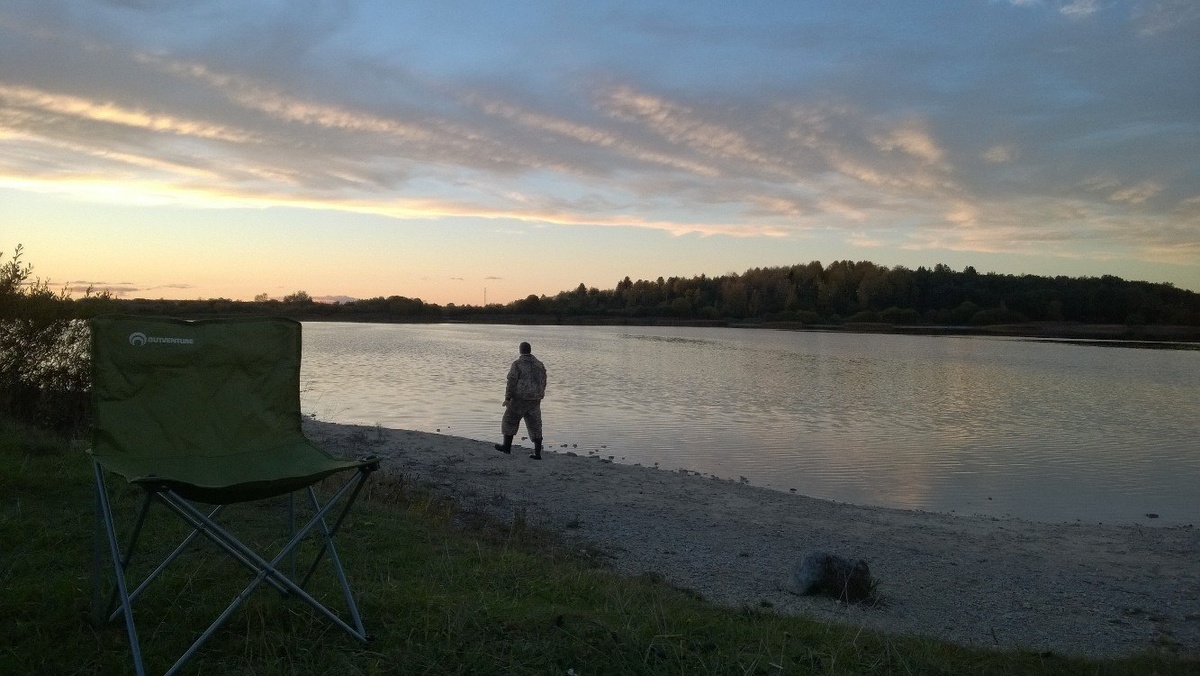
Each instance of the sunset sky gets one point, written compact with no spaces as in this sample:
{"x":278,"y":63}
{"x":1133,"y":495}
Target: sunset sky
{"x":447,"y":150}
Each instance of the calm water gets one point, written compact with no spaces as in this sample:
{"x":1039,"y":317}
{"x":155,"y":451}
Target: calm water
{"x":1040,"y":430}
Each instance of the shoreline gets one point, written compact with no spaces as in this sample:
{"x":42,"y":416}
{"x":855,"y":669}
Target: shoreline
{"x":1099,"y":591}
{"x":1146,"y":336}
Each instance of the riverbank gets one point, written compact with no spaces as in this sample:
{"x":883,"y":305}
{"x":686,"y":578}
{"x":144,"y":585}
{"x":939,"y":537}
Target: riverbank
{"x":1087,"y":590}
{"x":1080,"y":590}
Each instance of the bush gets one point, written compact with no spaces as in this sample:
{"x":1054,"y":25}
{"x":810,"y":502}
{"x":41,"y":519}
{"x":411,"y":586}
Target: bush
{"x":44,"y":352}
{"x":895,"y":315}
{"x":867,"y":316}
{"x":998,"y":315}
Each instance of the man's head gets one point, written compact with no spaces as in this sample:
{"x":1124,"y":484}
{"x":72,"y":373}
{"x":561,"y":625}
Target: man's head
{"x":526,"y":349}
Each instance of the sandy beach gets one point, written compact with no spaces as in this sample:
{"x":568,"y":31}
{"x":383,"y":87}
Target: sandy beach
{"x":1075,"y":589}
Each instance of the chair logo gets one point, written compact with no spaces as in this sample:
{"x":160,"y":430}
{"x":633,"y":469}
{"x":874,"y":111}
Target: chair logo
{"x":138,"y":339}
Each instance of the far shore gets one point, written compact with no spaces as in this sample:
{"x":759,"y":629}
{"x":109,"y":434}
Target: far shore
{"x":1136,"y":335}
{"x":1089,"y":590}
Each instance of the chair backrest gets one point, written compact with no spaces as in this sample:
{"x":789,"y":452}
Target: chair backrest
{"x":167,"y":388}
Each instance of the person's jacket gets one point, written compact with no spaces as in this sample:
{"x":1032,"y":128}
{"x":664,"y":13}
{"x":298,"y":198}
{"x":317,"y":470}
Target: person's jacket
{"x":526,"y":379}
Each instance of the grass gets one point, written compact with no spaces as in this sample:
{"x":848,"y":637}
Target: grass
{"x":442,"y":591}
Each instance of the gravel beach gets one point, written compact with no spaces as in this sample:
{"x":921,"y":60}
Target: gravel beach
{"x":1074,"y":589}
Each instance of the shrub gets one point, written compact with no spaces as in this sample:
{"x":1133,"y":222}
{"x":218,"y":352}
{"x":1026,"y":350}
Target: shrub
{"x":998,"y":315}
{"x":895,"y":315}
{"x":44,"y":351}
{"x":867,"y":316}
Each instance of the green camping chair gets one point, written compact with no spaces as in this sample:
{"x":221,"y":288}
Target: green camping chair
{"x":209,"y":412}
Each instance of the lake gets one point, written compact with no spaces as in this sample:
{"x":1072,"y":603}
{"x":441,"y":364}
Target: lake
{"x":1042,"y":430}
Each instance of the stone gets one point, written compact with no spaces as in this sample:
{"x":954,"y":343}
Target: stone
{"x":825,"y":574}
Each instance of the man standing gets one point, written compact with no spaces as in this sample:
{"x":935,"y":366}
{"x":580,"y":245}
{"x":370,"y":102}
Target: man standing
{"x":523,"y":401}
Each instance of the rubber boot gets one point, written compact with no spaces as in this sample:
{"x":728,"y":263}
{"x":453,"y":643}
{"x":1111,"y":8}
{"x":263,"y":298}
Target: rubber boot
{"x":506,"y":447}
{"x":537,"y":449}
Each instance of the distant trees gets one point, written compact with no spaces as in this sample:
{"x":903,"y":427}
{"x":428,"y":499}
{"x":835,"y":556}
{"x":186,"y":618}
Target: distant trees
{"x":862,"y":291}
{"x":390,"y":308}
{"x":298,"y":305}
{"x":842,"y":292}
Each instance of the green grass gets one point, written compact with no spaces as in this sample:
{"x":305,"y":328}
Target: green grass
{"x":442,"y":591}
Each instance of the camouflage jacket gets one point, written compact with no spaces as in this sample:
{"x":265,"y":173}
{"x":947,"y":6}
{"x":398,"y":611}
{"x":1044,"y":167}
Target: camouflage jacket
{"x":526,"y":379}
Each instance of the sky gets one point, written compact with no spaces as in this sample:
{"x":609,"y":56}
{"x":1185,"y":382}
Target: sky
{"x":471,"y":152}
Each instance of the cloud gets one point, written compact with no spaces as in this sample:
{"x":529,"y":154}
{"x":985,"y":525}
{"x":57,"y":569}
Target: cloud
{"x":1001,"y":154}
{"x":1136,"y":194}
{"x":35,"y":103}
{"x":681,"y":127}
{"x":254,"y":159}
{"x":912,"y":139}
{"x":1157,"y":17}
{"x":900,"y":129}
{"x":862,"y":239}
{"x":1079,"y":9}
{"x":77,"y":288}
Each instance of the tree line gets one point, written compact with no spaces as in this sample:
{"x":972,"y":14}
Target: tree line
{"x":842,"y":292}
{"x":864,"y":292}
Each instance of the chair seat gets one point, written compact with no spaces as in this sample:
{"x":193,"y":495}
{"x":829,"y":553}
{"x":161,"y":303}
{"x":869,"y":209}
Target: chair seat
{"x":238,"y":476}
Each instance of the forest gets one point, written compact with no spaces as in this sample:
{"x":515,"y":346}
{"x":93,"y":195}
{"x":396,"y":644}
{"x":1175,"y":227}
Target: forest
{"x":838,"y":294}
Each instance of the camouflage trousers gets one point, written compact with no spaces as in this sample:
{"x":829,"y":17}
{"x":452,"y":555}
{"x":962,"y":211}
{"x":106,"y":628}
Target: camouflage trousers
{"x":529,"y":410}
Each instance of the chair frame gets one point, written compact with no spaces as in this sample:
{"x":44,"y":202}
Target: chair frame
{"x":120,"y":602}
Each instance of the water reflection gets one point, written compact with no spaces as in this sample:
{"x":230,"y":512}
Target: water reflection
{"x":1041,"y":430}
